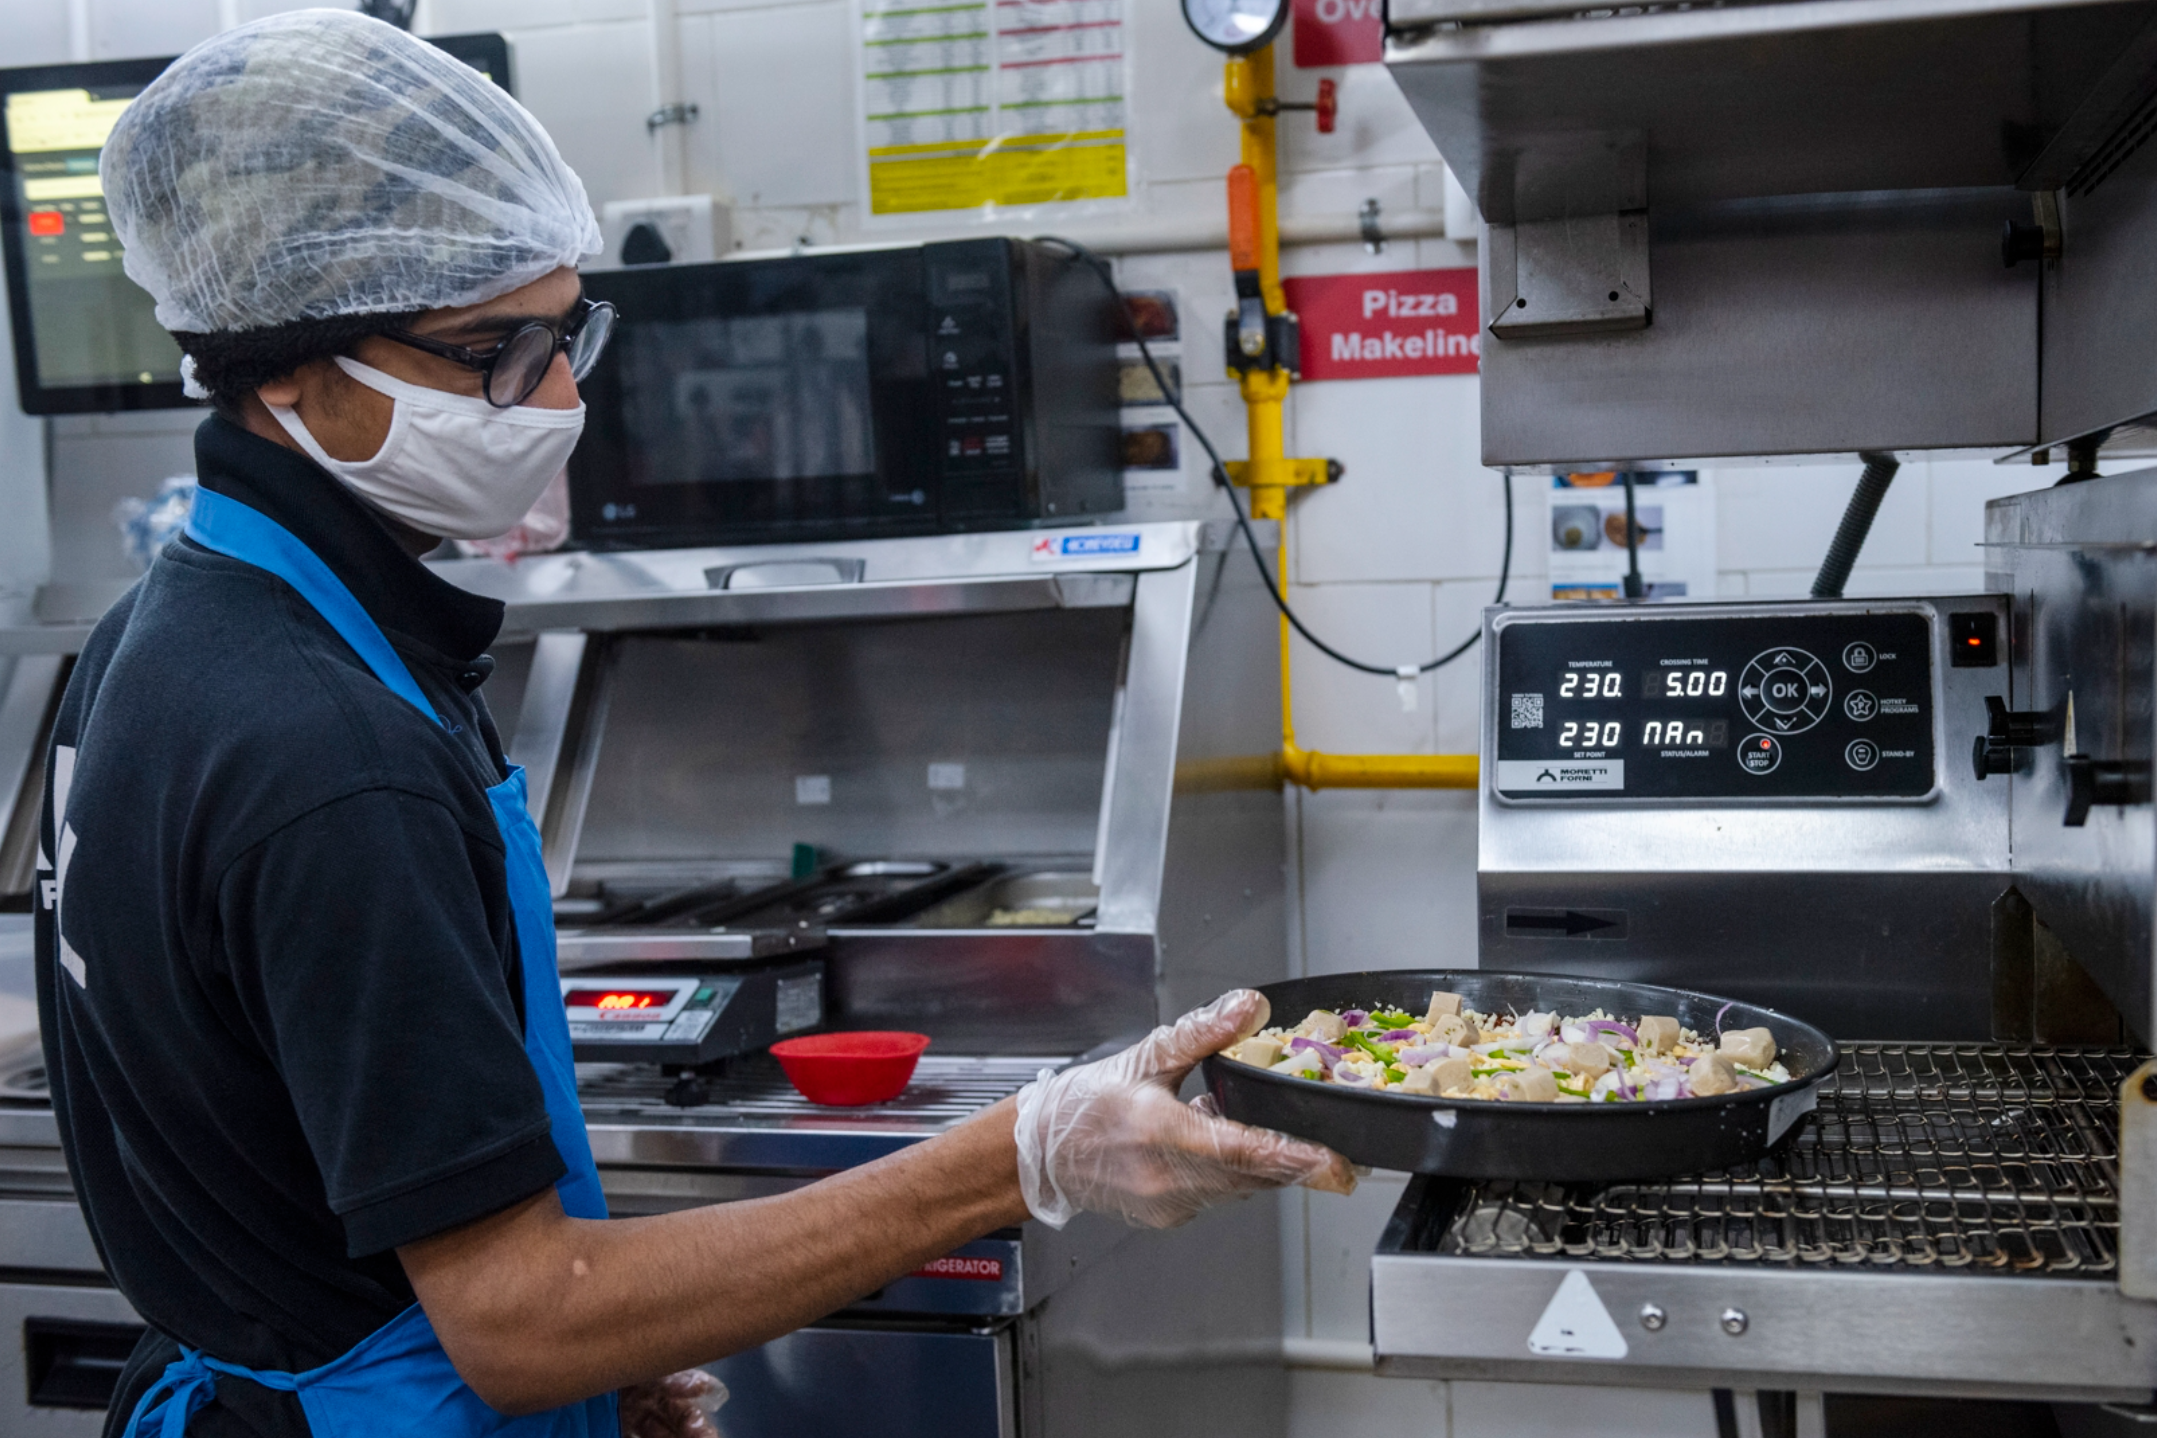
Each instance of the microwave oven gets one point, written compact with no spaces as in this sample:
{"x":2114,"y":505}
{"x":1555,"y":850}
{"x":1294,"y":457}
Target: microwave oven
{"x":909,"y":389}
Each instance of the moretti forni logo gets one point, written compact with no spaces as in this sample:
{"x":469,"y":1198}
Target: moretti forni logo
{"x":1559,"y":776}
{"x":1050,"y":547}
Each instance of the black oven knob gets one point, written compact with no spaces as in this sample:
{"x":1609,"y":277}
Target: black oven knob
{"x":2020,"y":728}
{"x":2007,"y":730}
{"x":2103,"y":781}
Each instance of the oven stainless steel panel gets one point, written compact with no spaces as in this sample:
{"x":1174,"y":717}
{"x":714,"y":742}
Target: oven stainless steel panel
{"x":2080,"y":563}
{"x":873,"y":1383}
{"x":1858,"y":917}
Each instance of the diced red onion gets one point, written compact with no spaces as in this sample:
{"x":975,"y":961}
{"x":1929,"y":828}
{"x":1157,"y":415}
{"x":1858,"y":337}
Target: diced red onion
{"x":1350,"y":1078}
{"x":1726,"y":1008}
{"x":1573,"y":1033}
{"x":1327,"y":1053}
{"x":1394,"y":1036}
{"x":1355,"y":1018}
{"x":1428,"y":1054}
{"x":1612,"y":1026}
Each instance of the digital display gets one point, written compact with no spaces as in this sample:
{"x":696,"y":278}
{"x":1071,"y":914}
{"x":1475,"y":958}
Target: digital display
{"x":1686,"y":733}
{"x":1691,"y":705}
{"x":90,"y":324}
{"x":1685,"y":683}
{"x":618,"y":1000}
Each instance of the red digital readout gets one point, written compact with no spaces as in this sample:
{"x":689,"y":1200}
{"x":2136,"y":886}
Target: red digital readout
{"x":617,"y":999}
{"x":47,"y":222}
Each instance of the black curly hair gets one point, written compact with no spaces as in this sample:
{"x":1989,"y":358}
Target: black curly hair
{"x":232,"y":364}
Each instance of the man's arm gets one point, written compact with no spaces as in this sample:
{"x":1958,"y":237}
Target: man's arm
{"x":537,"y":1309}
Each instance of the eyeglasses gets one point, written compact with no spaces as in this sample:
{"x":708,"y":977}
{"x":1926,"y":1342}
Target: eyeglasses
{"x":514,"y":368}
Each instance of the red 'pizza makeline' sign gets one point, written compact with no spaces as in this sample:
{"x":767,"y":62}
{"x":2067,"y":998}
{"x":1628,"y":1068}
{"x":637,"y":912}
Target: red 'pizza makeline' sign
{"x":1374,"y":326}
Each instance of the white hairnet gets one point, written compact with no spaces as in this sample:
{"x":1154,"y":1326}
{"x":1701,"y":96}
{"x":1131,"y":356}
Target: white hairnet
{"x":322,"y":163}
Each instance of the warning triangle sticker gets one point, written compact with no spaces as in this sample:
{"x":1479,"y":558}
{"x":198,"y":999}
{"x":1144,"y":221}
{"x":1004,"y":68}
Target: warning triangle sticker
{"x":1575,"y":1324}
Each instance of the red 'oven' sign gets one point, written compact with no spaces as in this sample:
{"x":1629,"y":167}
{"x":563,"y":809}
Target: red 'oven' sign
{"x":1374,"y":326}
{"x":1339,"y":32}
{"x":985,"y":1270}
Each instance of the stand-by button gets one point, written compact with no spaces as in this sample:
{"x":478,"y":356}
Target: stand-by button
{"x":1861,"y":754}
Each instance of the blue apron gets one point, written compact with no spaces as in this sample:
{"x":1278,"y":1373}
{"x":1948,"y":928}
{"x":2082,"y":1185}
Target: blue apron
{"x":398,"y":1381}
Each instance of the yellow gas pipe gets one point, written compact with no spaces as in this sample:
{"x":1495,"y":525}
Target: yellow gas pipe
{"x":1268,"y":474}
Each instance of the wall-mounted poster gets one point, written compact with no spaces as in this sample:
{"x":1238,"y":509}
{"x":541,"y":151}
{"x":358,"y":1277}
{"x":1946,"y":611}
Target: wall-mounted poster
{"x":992,"y":103}
{"x":1674,"y":516}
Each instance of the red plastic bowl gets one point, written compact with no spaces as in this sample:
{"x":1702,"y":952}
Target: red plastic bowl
{"x":850,"y":1070}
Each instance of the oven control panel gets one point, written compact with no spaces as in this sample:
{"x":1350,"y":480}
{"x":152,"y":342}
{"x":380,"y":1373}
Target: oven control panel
{"x":1733,"y":706}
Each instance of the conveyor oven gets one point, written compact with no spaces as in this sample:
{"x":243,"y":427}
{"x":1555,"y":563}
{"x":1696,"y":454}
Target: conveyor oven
{"x":1810,"y":806}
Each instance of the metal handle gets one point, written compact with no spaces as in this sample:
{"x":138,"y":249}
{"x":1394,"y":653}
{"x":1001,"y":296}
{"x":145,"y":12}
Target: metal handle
{"x":2102,"y":781}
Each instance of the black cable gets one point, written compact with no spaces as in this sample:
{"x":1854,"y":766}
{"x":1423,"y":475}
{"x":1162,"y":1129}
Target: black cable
{"x":1849,"y":539}
{"x":1174,"y":396}
{"x":1634,"y":587}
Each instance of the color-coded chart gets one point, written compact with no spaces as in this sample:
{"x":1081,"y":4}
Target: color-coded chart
{"x":992,"y":102}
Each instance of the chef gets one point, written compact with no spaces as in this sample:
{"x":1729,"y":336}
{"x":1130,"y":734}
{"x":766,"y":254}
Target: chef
{"x":296,"y":970}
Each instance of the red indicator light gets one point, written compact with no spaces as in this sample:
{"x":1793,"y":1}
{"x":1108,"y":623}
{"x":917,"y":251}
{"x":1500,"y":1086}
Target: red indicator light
{"x":44,"y":223}
{"x":618,"y":999}
{"x":1973,"y":640}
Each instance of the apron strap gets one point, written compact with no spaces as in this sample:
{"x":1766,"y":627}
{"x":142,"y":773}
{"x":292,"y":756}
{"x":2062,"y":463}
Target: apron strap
{"x":221,"y":523}
{"x":189,"y":1382}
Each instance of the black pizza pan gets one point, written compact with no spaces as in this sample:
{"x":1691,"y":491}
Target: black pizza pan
{"x":1550,"y":1142}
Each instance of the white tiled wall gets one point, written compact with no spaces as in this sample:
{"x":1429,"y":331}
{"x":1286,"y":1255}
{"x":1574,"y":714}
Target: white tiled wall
{"x":1392,"y":563}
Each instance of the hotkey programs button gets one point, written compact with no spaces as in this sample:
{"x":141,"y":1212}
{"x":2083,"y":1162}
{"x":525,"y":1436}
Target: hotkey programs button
{"x":1861,"y":754}
{"x":1760,"y":754}
{"x":1859,"y":657}
{"x":1859,"y":704}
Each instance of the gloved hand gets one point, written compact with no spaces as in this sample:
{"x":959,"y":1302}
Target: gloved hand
{"x":1111,"y":1137}
{"x":679,"y":1405}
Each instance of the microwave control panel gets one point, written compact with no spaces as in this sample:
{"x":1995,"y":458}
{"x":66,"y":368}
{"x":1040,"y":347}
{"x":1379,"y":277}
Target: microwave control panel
{"x":1730,"y":707}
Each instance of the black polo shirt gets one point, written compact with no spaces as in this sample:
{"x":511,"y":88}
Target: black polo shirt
{"x":282,"y":1009}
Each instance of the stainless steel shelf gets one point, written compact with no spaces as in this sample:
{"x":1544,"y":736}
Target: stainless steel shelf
{"x":1946,"y":1221}
{"x":755,"y":1121}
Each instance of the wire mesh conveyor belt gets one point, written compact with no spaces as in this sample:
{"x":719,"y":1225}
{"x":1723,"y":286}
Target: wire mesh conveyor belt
{"x":1956,"y":1157}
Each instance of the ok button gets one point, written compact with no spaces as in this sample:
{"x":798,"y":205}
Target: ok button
{"x":1783,"y":691}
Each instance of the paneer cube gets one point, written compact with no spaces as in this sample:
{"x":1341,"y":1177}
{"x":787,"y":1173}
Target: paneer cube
{"x":1442,"y":1003}
{"x":1658,"y":1034}
{"x":1440,"y":1077}
{"x":1326,"y":1028}
{"x":1754,"y":1048}
{"x":1713,"y":1075}
{"x":1530,"y":1085}
{"x":1589,"y":1060}
{"x":1453,"y":1029}
{"x":1258,"y":1050}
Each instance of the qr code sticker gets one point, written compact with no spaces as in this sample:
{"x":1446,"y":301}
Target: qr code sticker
{"x":1527,"y":711}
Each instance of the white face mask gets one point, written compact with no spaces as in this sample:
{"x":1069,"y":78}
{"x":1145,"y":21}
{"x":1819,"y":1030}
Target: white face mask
{"x":453,"y":464}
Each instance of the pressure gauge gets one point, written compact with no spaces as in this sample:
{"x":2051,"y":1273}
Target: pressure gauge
{"x":1236,"y":26}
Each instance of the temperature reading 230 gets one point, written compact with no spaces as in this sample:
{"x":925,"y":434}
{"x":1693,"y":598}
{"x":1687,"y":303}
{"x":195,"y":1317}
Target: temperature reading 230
{"x":1594,"y":684}
{"x":1685,"y":683}
{"x":1588,"y":736}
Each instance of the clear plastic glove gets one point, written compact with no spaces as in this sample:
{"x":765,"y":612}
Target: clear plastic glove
{"x":1111,"y":1137}
{"x":679,"y":1405}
